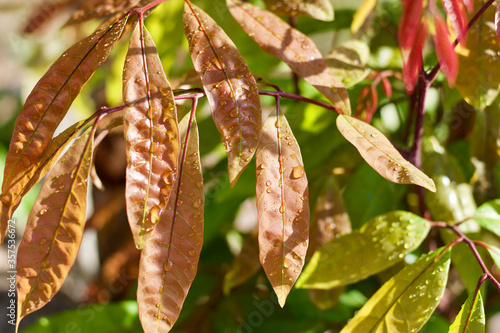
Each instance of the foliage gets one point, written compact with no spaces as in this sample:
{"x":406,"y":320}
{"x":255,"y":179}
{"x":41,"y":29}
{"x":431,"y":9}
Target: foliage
{"x":393,"y":221}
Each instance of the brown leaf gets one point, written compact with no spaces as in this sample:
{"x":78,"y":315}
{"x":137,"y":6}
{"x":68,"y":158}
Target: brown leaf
{"x":380,"y":154}
{"x":45,"y":13}
{"x":169,"y":259}
{"x":11,"y":198}
{"x":245,"y":265}
{"x":282,"y":205}
{"x":298,"y":51}
{"x":48,"y":103}
{"x":151,"y":135}
{"x":230,"y":88}
{"x":54,"y":230}
{"x":92,"y":9}
{"x":318,"y":9}
{"x":329,"y":220}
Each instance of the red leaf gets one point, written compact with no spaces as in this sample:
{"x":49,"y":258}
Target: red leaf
{"x":409,"y":23}
{"x":469,"y":4}
{"x":386,"y":85}
{"x":151,"y":135}
{"x":457,"y":16}
{"x":169,"y":260}
{"x":413,"y":63}
{"x":230,"y":87}
{"x":445,"y":50}
{"x":282,"y":206}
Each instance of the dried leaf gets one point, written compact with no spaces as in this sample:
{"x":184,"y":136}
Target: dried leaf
{"x":169,"y":259}
{"x":380,"y":154}
{"x":245,"y":265}
{"x":318,"y":9}
{"x":298,"y":51}
{"x":471,"y":317}
{"x":54,"y":229}
{"x":47,"y":105}
{"x":282,"y":205}
{"x":361,"y":14}
{"x":447,"y":57}
{"x":151,"y":135}
{"x":29,"y":177}
{"x":230,"y":88}
{"x":406,"y":301}
{"x":380,"y":243}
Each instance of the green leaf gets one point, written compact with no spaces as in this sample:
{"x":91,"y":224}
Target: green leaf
{"x":381,"y":243}
{"x":488,"y":216}
{"x":318,"y":9}
{"x":471,"y":318}
{"x":495,"y":255}
{"x":347,"y":62}
{"x":478,"y":79}
{"x":110,"y":318}
{"x":380,"y":154}
{"x":406,"y":301}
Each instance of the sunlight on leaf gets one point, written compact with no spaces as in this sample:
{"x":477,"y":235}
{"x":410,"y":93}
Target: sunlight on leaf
{"x":478,"y":79}
{"x":54,"y":229}
{"x":406,"y":301}
{"x":151,"y":135}
{"x":380,"y":154}
{"x":36,"y":172}
{"x":47,"y":105}
{"x":318,"y":9}
{"x":471,"y":318}
{"x":282,"y":206}
{"x":169,"y":260}
{"x":379,"y":244}
{"x":298,"y":51}
{"x":230,"y":87}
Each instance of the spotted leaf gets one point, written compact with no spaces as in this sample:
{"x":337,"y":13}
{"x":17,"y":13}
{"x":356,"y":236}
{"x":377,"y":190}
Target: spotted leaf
{"x":151,"y":135}
{"x":380,"y":243}
{"x":230,"y":87}
{"x":406,"y":301}
{"x":170,"y":257}
{"x":282,"y":206}
{"x":380,"y":154}
{"x":54,"y":230}
{"x":298,"y":51}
